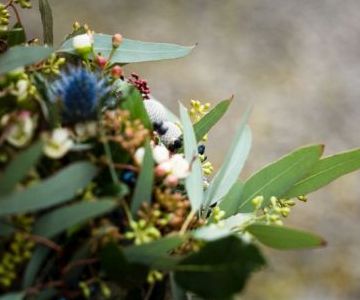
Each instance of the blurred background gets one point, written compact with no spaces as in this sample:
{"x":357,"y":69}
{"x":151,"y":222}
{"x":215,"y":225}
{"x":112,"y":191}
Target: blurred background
{"x":297,"y":62}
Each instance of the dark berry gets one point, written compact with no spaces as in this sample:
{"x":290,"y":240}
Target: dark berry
{"x":157,"y":125}
{"x":177,"y":144}
{"x":162,"y":129}
{"x":201,"y":149}
{"x":128,"y":177}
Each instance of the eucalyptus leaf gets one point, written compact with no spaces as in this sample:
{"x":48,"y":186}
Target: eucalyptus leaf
{"x":177,"y":292}
{"x":284,"y":238}
{"x":220,"y":269}
{"x":47,"y":21}
{"x":203,"y":126}
{"x":194,"y":181}
{"x":33,"y":267}
{"x":277,"y":178}
{"x":55,"y":222}
{"x":16,"y":35}
{"x":57,"y":189}
{"x":6,"y":228}
{"x":19,"y":167}
{"x":20,"y":56}
{"x":325,"y":171}
{"x":144,"y":184}
{"x":131,"y":51}
{"x":13,"y":296}
{"x":233,"y":163}
{"x":232,"y":200}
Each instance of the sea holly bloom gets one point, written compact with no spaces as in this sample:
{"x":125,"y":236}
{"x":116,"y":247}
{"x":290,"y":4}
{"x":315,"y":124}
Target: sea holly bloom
{"x":57,"y":143}
{"x":79,"y":92}
{"x":83,"y":44}
{"x":20,"y":130}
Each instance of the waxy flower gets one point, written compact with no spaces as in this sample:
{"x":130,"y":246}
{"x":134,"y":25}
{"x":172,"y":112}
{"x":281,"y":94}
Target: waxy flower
{"x":83,"y":44}
{"x":57,"y":143}
{"x":21,"y":130}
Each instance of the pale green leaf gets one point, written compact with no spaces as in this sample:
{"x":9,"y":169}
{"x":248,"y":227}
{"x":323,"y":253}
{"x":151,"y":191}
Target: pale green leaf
{"x":13,"y":296}
{"x":131,"y":51}
{"x":194,"y":181}
{"x":284,"y":238}
{"x":277,"y":178}
{"x":144,"y":184}
{"x":57,"y":221}
{"x":59,"y":188}
{"x":47,"y":21}
{"x":325,"y":171}
{"x":20,"y":56}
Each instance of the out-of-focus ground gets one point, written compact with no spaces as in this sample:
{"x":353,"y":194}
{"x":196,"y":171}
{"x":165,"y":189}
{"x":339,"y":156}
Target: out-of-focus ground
{"x":298,"y":63}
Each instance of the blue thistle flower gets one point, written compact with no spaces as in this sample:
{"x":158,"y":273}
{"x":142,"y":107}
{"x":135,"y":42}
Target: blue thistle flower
{"x":80,"y":92}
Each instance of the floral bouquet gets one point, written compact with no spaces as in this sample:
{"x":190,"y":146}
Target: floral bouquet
{"x":106,"y":194}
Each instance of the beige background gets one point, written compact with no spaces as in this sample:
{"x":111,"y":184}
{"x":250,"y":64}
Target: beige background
{"x":298,"y":63}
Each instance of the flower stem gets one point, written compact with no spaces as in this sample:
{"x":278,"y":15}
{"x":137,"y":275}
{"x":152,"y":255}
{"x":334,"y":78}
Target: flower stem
{"x":187,"y":222}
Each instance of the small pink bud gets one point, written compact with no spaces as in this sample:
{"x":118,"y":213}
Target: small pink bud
{"x":101,"y":61}
{"x":117,"y":40}
{"x":162,"y":169}
{"x":171,"y":181}
{"x":117,"y":71}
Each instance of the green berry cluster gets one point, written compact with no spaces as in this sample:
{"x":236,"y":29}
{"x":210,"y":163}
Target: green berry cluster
{"x":24,"y":3}
{"x":4,"y":17}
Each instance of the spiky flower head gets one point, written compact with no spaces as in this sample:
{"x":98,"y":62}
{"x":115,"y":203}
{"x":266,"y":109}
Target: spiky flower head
{"x":79,"y":92}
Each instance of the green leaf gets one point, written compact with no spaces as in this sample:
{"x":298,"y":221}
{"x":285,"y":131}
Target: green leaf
{"x":144,"y":184}
{"x":277,"y":178}
{"x":232,"y":199}
{"x":19,"y":167}
{"x":131,"y":51}
{"x":220,"y":269}
{"x":20,"y":56}
{"x":59,"y":188}
{"x":194,"y":181}
{"x":16,"y":35}
{"x":33,"y":267}
{"x":202,"y":127}
{"x":177,"y":293}
{"x":325,"y":171}
{"x":119,"y":269}
{"x":284,"y":238}
{"x":6,"y":228}
{"x":233,"y":164}
{"x":154,"y":254}
{"x":13,"y":296}
{"x":54,"y":222}
{"x":134,"y":104}
{"x":47,"y":21}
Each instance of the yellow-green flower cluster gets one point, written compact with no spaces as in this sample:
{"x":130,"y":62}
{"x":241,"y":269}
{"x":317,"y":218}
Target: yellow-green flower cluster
{"x":198,"y":110}
{"x":53,"y":64}
{"x":218,"y":214}
{"x":207,"y":168}
{"x":19,"y":251}
{"x":24,"y":3}
{"x":4,"y":17}
{"x":142,"y":232}
{"x":154,"y":276}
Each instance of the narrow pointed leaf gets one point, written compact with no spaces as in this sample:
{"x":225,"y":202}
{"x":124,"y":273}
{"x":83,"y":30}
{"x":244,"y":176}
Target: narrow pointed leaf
{"x":20,"y":56}
{"x":232,"y":199}
{"x":57,"y":221}
{"x":284,"y":238}
{"x":232,"y":165}
{"x":47,"y":21}
{"x":202,"y":127}
{"x":277,"y":178}
{"x":33,"y":267}
{"x":144,"y":184}
{"x":131,"y":51}
{"x":13,"y":296}
{"x":194,"y":182}
{"x":325,"y":171}
{"x":59,"y":188}
{"x":19,"y":167}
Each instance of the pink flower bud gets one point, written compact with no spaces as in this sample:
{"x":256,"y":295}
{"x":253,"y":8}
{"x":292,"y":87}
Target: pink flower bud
{"x":101,"y":61}
{"x":116,"y":40}
{"x":117,"y":71}
{"x":171,"y":181}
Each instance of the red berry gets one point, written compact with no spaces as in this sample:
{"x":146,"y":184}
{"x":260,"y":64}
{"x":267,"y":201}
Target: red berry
{"x":117,"y":71}
{"x":101,"y":61}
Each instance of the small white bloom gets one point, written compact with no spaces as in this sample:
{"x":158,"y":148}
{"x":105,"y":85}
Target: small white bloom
{"x":21,"y":132}
{"x":58,"y":143}
{"x":85,"y":130}
{"x":83,"y":43}
{"x":179,"y":166}
{"x":160,"y":154}
{"x":139,"y":155}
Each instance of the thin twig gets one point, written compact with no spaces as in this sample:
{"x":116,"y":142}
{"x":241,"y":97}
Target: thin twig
{"x":44,"y":241}
{"x":187,"y":222}
{"x":79,"y":263}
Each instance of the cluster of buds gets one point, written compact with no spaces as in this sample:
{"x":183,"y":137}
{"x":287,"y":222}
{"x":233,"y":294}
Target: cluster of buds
{"x":130,"y":134}
{"x":142,"y":232}
{"x":140,"y":84}
{"x":106,"y":232}
{"x":198,"y":111}
{"x":91,"y":287}
{"x":4,"y":17}
{"x":24,"y":3}
{"x":52,"y":65}
{"x":19,"y":251}
{"x":21,"y":86}
{"x":154,"y":276}
{"x":19,"y":128}
{"x":218,"y":215}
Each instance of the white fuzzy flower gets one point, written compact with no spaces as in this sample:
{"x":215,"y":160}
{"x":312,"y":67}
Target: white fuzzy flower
{"x":83,"y":43}
{"x":172,"y":134}
{"x":160,"y":154}
{"x":21,"y":132}
{"x":179,"y":166}
{"x":155,"y":110}
{"x":57,"y":143}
